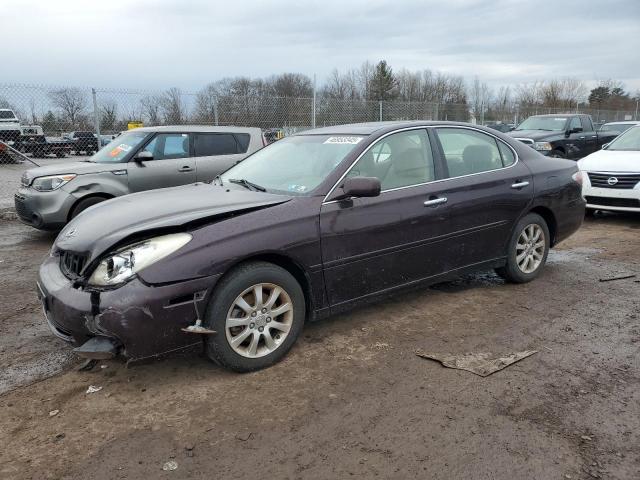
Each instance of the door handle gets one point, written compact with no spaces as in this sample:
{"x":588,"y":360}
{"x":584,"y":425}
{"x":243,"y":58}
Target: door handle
{"x":520,"y":185}
{"x":435,"y":201}
{"x":185,"y":168}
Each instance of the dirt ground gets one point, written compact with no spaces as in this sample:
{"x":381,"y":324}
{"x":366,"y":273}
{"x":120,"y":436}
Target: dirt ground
{"x":352,"y":398}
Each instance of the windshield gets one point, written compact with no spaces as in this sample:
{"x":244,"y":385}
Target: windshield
{"x":294,"y":165}
{"x":616,"y":127}
{"x":543,"y":123}
{"x":7,"y":115}
{"x":629,"y":140}
{"x":115,"y":151}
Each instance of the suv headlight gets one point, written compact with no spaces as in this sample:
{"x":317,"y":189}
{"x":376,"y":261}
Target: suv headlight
{"x":125,"y":263}
{"x":542,"y":146}
{"x":53,"y":182}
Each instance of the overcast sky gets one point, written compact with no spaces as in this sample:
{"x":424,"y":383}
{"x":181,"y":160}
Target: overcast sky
{"x":156,"y":44}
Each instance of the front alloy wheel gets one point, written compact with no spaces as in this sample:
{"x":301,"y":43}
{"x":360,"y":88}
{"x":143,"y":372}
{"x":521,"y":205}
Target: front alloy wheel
{"x":259,"y":320}
{"x":258,"y":310}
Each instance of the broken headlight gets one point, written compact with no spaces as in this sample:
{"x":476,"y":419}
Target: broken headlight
{"x":125,"y":263}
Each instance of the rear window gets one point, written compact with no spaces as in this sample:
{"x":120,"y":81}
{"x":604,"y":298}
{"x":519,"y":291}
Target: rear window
{"x":243,"y":142}
{"x":210,"y":144}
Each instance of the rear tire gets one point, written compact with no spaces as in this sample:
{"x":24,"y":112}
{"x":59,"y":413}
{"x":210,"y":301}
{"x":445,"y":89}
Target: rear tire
{"x":84,"y":204}
{"x":557,"y":154}
{"x":527,"y":251}
{"x":258,"y":311}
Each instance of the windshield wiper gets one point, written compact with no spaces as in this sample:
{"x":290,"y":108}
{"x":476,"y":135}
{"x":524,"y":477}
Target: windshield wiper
{"x":247,"y":184}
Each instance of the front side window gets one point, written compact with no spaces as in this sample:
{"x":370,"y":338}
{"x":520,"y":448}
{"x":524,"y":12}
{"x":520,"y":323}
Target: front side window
{"x":575,"y":123}
{"x":166,"y":146}
{"x":399,"y":160}
{"x":294,"y":165}
{"x":211,"y":144}
{"x":469,"y":151}
{"x":587,"y":124}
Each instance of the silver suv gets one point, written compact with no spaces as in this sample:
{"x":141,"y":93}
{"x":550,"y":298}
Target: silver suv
{"x":137,"y":160}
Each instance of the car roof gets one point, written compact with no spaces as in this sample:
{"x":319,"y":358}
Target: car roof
{"x":198,"y":128}
{"x":369,"y":128}
{"x":624,"y":122}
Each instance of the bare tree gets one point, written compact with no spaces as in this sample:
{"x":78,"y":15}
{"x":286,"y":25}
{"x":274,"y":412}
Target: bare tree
{"x":108,"y":116}
{"x":151,"y":108}
{"x":479,"y":98}
{"x":71,"y":101}
{"x":173,"y":109}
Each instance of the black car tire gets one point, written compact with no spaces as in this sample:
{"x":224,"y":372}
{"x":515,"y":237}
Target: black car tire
{"x":84,"y":204}
{"x":557,"y":154}
{"x":511,"y":272}
{"x":589,"y":212}
{"x":224,"y":296}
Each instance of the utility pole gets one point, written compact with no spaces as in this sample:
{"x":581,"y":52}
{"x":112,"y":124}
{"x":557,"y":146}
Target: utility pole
{"x":313,"y":104}
{"x":96,"y":117}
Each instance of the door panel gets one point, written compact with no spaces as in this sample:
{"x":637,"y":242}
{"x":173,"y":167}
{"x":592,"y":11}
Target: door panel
{"x":171,"y":165}
{"x":487,"y":191}
{"x":215,"y":153}
{"x":372,"y":244}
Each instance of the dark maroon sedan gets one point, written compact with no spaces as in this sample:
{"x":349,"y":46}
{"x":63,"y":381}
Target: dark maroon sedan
{"x":302,"y":229}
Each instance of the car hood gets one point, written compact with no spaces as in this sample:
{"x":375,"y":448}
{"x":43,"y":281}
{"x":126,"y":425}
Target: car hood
{"x":79,"y":168}
{"x":611,"y":161}
{"x":533,"y":134}
{"x":108,"y":223}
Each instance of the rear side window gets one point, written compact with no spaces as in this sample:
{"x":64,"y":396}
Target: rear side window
{"x":210,"y":144}
{"x":508,"y":158}
{"x":243,"y":142}
{"x":469,"y":151}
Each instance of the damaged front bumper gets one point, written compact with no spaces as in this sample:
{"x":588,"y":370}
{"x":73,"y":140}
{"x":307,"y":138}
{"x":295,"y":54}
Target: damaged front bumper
{"x":138,"y":320}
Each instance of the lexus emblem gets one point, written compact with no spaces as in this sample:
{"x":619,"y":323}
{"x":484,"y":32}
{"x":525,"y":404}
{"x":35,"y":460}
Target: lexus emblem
{"x":70,"y":233}
{"x":612,"y":181}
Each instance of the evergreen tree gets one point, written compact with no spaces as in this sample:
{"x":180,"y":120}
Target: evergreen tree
{"x":383,"y":83}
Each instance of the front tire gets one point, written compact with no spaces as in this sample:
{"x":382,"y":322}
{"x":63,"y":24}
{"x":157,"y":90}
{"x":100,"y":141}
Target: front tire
{"x":84,"y":204}
{"x":258,"y":312}
{"x":557,"y":154}
{"x":527,"y":251}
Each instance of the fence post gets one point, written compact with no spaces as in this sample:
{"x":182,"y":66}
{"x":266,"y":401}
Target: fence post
{"x":215,"y":109}
{"x":380,"y":108}
{"x":636,"y":115}
{"x":96,"y":117}
{"x":313,"y":104}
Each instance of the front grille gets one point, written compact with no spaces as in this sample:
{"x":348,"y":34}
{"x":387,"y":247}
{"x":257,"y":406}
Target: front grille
{"x":614,"y":202}
{"x":614,"y":180}
{"x":72,"y":264}
{"x":21,"y":209}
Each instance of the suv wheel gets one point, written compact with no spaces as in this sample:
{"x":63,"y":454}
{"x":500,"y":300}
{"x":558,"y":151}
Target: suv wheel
{"x":258,"y":312}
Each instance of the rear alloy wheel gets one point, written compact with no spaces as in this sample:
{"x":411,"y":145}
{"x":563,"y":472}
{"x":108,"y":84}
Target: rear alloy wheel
{"x":258,"y":312}
{"x":527,"y":250}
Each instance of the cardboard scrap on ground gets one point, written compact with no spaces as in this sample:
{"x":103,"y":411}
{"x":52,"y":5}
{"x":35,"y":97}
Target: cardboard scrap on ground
{"x":483,"y":364}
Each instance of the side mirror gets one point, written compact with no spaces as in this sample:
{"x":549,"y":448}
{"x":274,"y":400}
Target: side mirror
{"x":143,"y":156}
{"x":604,"y":146}
{"x":360,"y":187}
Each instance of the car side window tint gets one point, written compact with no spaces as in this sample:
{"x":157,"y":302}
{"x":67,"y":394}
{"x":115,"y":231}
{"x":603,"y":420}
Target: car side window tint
{"x":166,"y":146}
{"x":399,"y":160}
{"x":243,"y":142}
{"x":468,"y":151}
{"x":508,"y":158}
{"x":575,"y":123}
{"x":211,"y":144}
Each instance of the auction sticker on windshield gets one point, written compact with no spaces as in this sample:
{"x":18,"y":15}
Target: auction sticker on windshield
{"x":343,"y":140}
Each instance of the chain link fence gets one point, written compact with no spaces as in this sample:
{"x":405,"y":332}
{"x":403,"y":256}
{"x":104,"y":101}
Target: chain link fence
{"x":55,"y":111}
